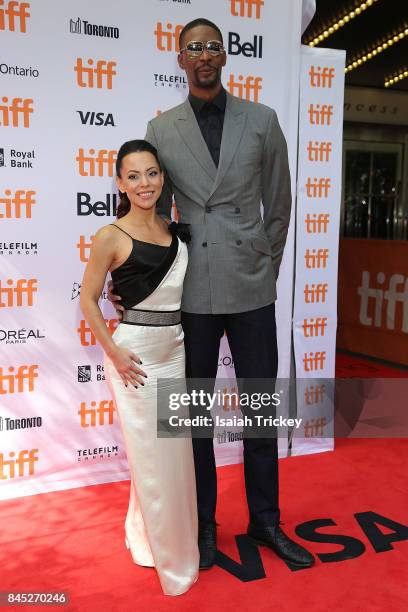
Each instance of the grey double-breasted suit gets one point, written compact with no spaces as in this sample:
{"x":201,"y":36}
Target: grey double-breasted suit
{"x":234,"y":254}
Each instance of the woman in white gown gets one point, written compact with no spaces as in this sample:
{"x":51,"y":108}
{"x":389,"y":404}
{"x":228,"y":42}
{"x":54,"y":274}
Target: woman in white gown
{"x":147,"y":259}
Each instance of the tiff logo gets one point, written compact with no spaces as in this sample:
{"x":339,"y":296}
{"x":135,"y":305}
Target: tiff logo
{"x":17,"y":293}
{"x":84,"y":248}
{"x":17,"y":113}
{"x":18,"y":382}
{"x":316,"y":258}
{"x":14,"y":16}
{"x":321,"y":77}
{"x":230,"y":399}
{"x":96,"y":163}
{"x":91,"y":417}
{"x":21,"y":466}
{"x":314,"y":394}
{"x":314,"y":327}
{"x":247,"y":8}
{"x":245,"y":87}
{"x":318,"y":187}
{"x":316,"y":294}
{"x":315,"y":360}
{"x":376,"y":297}
{"x":86,"y":336}
{"x":319,"y":151}
{"x":317,"y":223}
{"x":18,"y":206}
{"x":168,"y":40}
{"x":315,"y":427}
{"x":99,"y":77}
{"x":320,"y":115}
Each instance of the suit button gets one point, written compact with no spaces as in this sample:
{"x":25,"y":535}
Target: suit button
{"x":239,"y":242}
{"x":237,"y":210}
{"x":204,"y":244}
{"x":208,"y":209}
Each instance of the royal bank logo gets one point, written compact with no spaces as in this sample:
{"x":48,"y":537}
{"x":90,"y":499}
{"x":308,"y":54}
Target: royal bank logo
{"x":76,"y":292}
{"x":175,"y":81}
{"x":18,"y":248}
{"x":17,"y":159}
{"x":81,"y":26}
{"x":84,"y":373}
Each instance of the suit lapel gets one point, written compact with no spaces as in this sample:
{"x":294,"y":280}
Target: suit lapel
{"x":190,"y":132}
{"x":234,"y":123}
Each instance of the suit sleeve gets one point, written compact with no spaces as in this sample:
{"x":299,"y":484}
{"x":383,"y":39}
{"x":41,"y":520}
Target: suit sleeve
{"x":276,"y":190}
{"x":165,"y":201}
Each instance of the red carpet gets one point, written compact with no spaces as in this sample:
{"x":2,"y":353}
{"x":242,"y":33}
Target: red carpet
{"x":353,"y":366}
{"x":73,"y":541}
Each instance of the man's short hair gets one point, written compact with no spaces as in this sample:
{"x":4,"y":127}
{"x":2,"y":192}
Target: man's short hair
{"x":198,"y":22}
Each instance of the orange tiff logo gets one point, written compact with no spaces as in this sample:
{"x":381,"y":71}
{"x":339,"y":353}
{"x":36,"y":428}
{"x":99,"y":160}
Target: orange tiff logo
{"x":99,"y":77}
{"x":168,"y":40}
{"x":319,"y":151}
{"x":17,"y":293}
{"x":16,"y":467}
{"x":316,"y":258}
{"x":321,"y":77}
{"x":314,"y":327}
{"x":245,"y":87}
{"x":247,"y":8}
{"x":320,"y":114}
{"x":317,"y":223}
{"x":86,"y":335}
{"x":315,"y":427}
{"x":14,"y":15}
{"x":314,"y":394}
{"x":91,"y":417}
{"x":318,"y":187}
{"x":230,"y":399}
{"x":96,"y":163}
{"x":315,"y":360}
{"x":17,"y":206}
{"x":17,"y":112}
{"x":84,"y":248}
{"x":316,"y":294}
{"x":18,"y":381}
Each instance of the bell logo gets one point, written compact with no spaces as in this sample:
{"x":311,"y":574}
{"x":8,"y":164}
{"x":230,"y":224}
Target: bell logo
{"x":100,"y":77}
{"x":245,"y":87}
{"x":17,"y":293}
{"x":18,"y":381}
{"x":17,"y":206}
{"x":84,"y":248}
{"x":17,"y":467}
{"x":247,"y":8}
{"x":91,"y":417}
{"x":14,"y":15}
{"x":12,"y":113}
{"x":168,"y":40}
{"x":96,"y":163}
{"x":86,"y":335}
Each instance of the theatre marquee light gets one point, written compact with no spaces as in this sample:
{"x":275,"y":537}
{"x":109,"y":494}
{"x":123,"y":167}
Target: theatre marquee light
{"x":395,"y":78}
{"x":377,"y":49}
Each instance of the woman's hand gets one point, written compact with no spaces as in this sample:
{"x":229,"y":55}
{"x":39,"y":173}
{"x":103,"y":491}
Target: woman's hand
{"x":127,"y":364}
{"x":114,"y":299}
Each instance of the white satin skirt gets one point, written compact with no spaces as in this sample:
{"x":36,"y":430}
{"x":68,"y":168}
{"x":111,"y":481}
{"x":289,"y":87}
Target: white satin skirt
{"x":161,"y":523}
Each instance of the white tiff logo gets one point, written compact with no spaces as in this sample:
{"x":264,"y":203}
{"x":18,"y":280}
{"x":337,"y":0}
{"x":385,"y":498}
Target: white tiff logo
{"x":397,"y":292}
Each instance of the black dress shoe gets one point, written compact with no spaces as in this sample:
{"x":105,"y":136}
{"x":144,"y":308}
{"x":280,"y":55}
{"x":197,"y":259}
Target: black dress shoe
{"x":207,"y":544}
{"x":278,"y":541}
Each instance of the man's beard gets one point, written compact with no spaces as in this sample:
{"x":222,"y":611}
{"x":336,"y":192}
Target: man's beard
{"x":209,"y":82}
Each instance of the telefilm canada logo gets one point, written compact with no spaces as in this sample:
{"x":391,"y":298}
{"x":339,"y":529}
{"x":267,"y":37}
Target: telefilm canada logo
{"x":95,"y":454}
{"x":175,"y":81}
{"x":8,"y":424}
{"x":18,"y":248}
{"x":81,"y":26}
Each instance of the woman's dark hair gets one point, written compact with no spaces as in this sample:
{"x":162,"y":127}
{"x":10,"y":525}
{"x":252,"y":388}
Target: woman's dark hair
{"x":131,"y":146}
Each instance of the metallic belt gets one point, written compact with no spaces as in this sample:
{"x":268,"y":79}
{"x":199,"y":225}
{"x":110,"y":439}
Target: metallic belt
{"x":151,"y":318}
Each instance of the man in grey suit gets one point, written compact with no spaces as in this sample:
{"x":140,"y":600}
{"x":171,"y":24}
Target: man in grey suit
{"x":222,"y":157}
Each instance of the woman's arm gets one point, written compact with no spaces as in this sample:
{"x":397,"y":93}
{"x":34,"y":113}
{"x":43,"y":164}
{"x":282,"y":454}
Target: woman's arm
{"x":101,"y":258}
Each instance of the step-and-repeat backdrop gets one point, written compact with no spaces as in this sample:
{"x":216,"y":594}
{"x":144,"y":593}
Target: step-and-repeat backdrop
{"x":77,"y":79}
